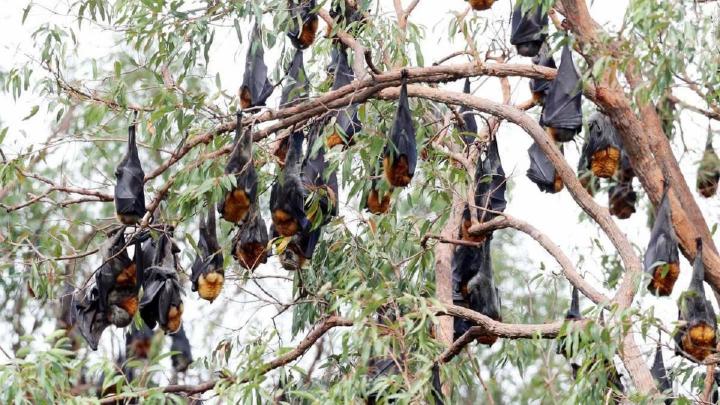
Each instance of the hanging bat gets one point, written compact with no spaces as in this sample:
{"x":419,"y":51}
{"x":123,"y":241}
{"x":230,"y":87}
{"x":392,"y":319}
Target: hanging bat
{"x":602,"y":149}
{"x":464,"y":232}
{"x":304,"y":23}
{"x":182,"y":359}
{"x":250,"y":243}
{"x":315,"y":179}
{"x":86,"y":314}
{"x":542,"y":172}
{"x":378,"y":368}
{"x":661,"y":257}
{"x":437,"y":385}
{"x":708,"y":174}
{"x":378,"y":198}
{"x":401,"y":150}
{"x":528,"y":30}
{"x":347,"y":122}
{"x":138,"y":341}
{"x":119,"y":279}
{"x":590,"y":183}
{"x":287,"y":197}
{"x":347,"y":16}
{"x":539,"y":87}
{"x":280,"y":151}
{"x":490,"y":184}
{"x":626,"y":173}
{"x":562,"y":112}
{"x":480,"y":4}
{"x":696,"y":338}
{"x":469,"y":126}
{"x":298,"y":89}
{"x":162,"y":293}
{"x":464,"y":265}
{"x":129,"y":192}
{"x":300,"y":249}
{"x":482,"y":294}
{"x":236,"y":203}
{"x":208,"y":274}
{"x":659,"y":373}
{"x":572,"y":314}
{"x":621,"y":200}
{"x":256,"y":87}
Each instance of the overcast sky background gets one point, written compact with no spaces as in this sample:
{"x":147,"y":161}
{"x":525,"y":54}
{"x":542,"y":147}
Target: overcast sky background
{"x":556,"y":215}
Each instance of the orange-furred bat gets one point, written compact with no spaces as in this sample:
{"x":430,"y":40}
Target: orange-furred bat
{"x":287,"y":197}
{"x":235,"y":205}
{"x":304,"y":24}
{"x":208,"y":274}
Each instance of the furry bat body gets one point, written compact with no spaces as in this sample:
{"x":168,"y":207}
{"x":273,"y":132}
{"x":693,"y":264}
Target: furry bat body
{"x":208,"y":274}
{"x":528,"y":30}
{"x":129,"y":189}
{"x":304,"y":25}
{"x":256,"y":87}
{"x":661,"y":257}
{"x":287,"y":197}
{"x":400,"y":156}
{"x":562,"y":111}
{"x":236,"y":203}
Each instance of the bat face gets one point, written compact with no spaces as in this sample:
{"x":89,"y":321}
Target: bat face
{"x":490,"y":184}
{"x":562,"y":112}
{"x":539,"y":87}
{"x":181,"y":344}
{"x":138,"y":342}
{"x":162,"y":298}
{"x":256,"y":87}
{"x":304,"y":23}
{"x":528,"y":30}
{"x":129,"y":191}
{"x":297,"y":87}
{"x":481,"y":4}
{"x":250,"y":243}
{"x":90,"y":320}
{"x":542,"y":172}
{"x":287,"y":197}
{"x":622,"y":200}
{"x":697,"y":334}
{"x":661,"y":257}
{"x":236,"y":203}
{"x":400,"y":155}
{"x":208,"y":274}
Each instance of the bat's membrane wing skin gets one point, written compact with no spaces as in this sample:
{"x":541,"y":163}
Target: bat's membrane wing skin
{"x":490,"y":184}
{"x":236,"y":203}
{"x":250,"y":243}
{"x":469,"y":125}
{"x":347,"y":121}
{"x":208,"y":273}
{"x":539,"y":87}
{"x":661,"y":259}
{"x":708,"y":174}
{"x":88,"y":317}
{"x":255,"y":88}
{"x":315,"y":176}
{"x":181,"y":344}
{"x":562,"y":112}
{"x":129,"y":188}
{"x":401,"y":149}
{"x":117,"y":281}
{"x":528,"y":30}
{"x":696,"y":338}
{"x":304,"y":23}
{"x":162,"y":293}
{"x":542,"y":172}
{"x":602,"y":150}
{"x":659,"y":372}
{"x":287,"y":196}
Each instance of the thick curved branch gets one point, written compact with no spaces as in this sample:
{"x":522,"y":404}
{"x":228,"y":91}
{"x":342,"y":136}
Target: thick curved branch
{"x":506,"y":221}
{"x":319,"y":331}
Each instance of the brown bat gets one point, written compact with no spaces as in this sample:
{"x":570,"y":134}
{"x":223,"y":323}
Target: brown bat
{"x":235,"y":205}
{"x":304,"y":24}
{"x":208,"y":274}
{"x":162,"y":293}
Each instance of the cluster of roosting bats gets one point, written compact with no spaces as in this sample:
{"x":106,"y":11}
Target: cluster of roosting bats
{"x":304,"y":196}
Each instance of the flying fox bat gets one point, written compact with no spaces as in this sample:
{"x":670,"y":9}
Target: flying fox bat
{"x":304,"y":23}
{"x":539,"y":87}
{"x":400,"y":156}
{"x":621,"y":200}
{"x":347,"y":122}
{"x":562,"y":111}
{"x":287,"y":197}
{"x":162,"y":293}
{"x":347,"y":16}
{"x":542,"y":172}
{"x":138,"y":341}
{"x":696,"y":336}
{"x":256,"y":87}
{"x":602,"y":147}
{"x":208,"y":274}
{"x":86,"y":313}
{"x":480,"y":4}
{"x":528,"y":30}
{"x":437,"y":385}
{"x":250,"y":243}
{"x":378,"y":198}
{"x":119,"y":279}
{"x":182,"y":359}
{"x":469,"y":125}
{"x":708,"y":174}
{"x":129,"y":192}
{"x":661,"y":257}
{"x":659,"y":373}
{"x":298,"y":88}
{"x":315,"y":179}
{"x":236,"y":203}
{"x":490,"y":184}
{"x":572,"y":314}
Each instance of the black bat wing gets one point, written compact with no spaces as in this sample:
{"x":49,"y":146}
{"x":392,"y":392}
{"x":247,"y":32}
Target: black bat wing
{"x":663,"y":246}
{"x":563,"y":102}
{"x":528,"y":29}
{"x":574,"y":311}
{"x":181,"y":344}
{"x":129,"y":189}
{"x":694,"y":306}
{"x":545,"y":59}
{"x":483,"y":295}
{"x":601,"y":135}
{"x":301,"y":12}
{"x":343,"y":74}
{"x":402,"y":136}
{"x":490,"y":183}
{"x":465,"y":264}
{"x":169,"y":295}
{"x":298,"y":88}
{"x":470,"y":127}
{"x":541,"y":171}
{"x":659,"y":372}
{"x":88,"y":317}
{"x":437,"y":385}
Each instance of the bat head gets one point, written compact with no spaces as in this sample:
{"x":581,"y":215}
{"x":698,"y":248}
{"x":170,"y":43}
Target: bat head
{"x":481,"y":5}
{"x":129,"y":191}
{"x":138,"y":342}
{"x":304,"y":24}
